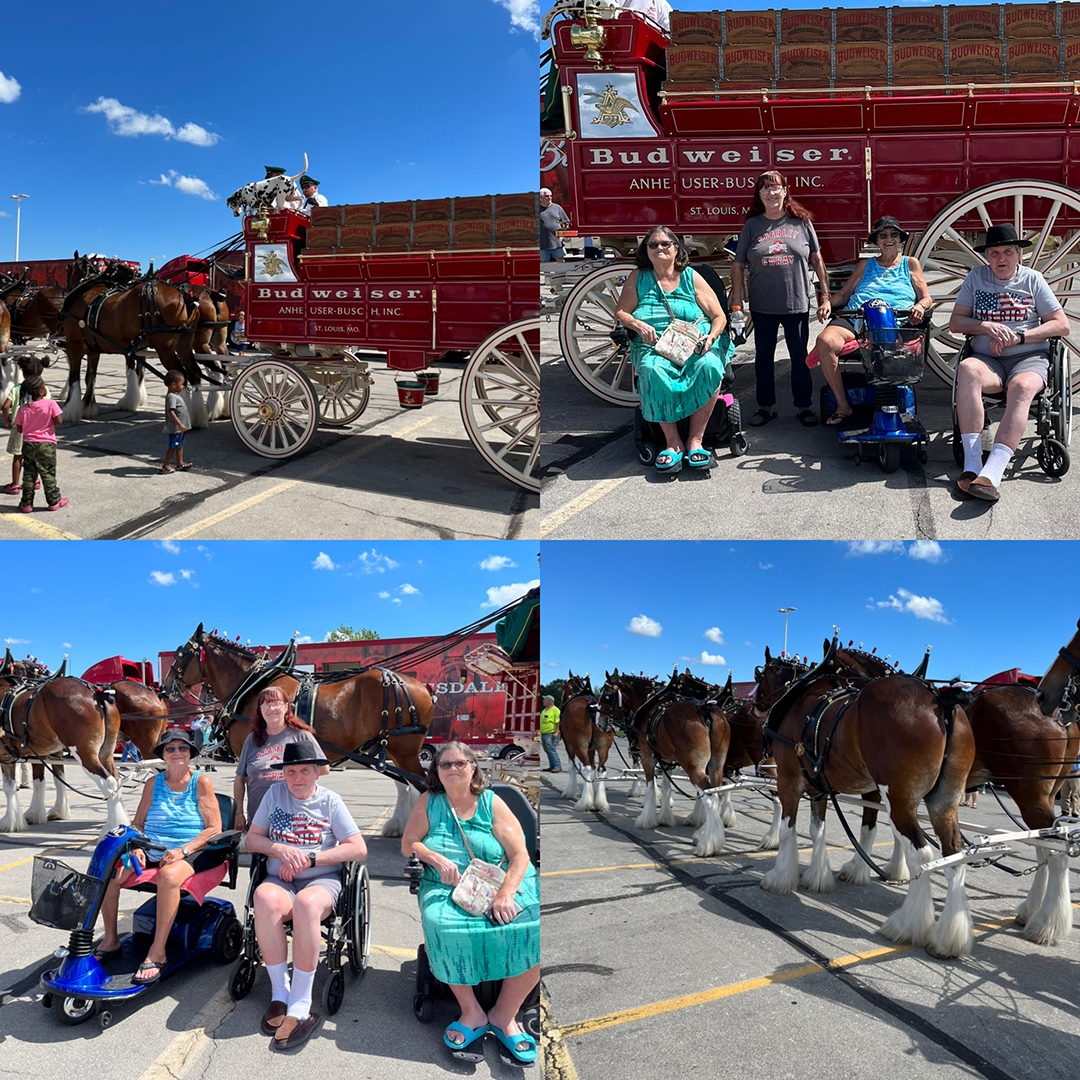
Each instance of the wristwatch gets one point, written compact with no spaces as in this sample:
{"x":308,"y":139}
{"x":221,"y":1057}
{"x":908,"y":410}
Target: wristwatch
{"x":184,"y":851}
{"x":1022,"y":335}
{"x":311,"y":856}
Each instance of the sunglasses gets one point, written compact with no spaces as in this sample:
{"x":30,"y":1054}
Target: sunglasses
{"x":176,"y":748}
{"x":654,"y":244}
{"x":888,"y":236}
{"x":445,"y":766}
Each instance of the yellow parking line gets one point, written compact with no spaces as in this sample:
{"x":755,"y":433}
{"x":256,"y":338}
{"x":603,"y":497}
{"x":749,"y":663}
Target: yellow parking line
{"x":389,"y":950}
{"x":50,"y":851}
{"x":377,"y":442}
{"x":172,"y":1061}
{"x":582,"y":502}
{"x":15,"y":900}
{"x":32,"y":523}
{"x":557,"y":1061}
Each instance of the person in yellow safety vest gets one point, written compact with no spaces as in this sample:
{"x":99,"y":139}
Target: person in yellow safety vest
{"x":549,"y":733}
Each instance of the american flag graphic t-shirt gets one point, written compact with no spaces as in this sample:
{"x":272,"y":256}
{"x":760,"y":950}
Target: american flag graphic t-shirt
{"x":299,"y":830}
{"x":1002,"y":307}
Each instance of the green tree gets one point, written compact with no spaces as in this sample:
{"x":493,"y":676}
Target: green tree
{"x":554,"y":688}
{"x":347,"y":633}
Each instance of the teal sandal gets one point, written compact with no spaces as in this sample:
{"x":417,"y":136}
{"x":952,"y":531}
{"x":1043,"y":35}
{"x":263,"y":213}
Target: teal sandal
{"x":521,"y":1057}
{"x":699,"y":458}
{"x":464,"y":1051}
{"x":673,"y":463}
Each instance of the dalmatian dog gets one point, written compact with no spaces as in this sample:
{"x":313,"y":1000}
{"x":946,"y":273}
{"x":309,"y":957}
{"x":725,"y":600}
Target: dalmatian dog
{"x":269,"y":193}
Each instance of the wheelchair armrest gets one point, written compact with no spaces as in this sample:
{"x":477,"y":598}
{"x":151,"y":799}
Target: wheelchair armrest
{"x":414,"y":871}
{"x":229,"y":838}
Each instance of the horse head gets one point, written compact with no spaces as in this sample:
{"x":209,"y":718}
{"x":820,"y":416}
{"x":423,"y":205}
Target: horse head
{"x":1057,"y":689}
{"x":180,"y":673}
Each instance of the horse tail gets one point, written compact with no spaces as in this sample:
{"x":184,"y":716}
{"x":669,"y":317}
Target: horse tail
{"x":949,"y":698}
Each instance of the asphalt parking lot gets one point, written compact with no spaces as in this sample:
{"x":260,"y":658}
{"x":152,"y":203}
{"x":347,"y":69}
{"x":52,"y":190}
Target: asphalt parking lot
{"x":393,"y":474}
{"x":658,"y":964}
{"x":188,"y":1027}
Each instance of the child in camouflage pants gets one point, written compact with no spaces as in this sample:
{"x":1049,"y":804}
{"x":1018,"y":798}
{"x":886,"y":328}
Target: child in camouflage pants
{"x":37,"y":419}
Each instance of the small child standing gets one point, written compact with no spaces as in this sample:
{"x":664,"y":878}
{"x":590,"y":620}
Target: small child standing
{"x":29,"y":365}
{"x":37,"y":419}
{"x":176,"y":422}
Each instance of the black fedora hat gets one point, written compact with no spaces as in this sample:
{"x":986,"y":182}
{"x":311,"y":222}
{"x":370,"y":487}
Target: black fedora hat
{"x":999,"y":236}
{"x":886,"y":222}
{"x":176,"y":733}
{"x":298,"y":754}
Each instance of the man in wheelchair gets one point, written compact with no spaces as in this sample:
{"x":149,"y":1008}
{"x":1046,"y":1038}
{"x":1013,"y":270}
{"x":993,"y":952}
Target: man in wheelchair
{"x":307,"y":833}
{"x":1010,"y":313}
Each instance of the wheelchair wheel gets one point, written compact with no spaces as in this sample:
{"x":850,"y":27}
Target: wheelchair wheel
{"x":228,"y":940}
{"x":424,"y":1008}
{"x":957,"y":448}
{"x":243,"y":978}
{"x":1061,"y":404}
{"x":1053,"y":457}
{"x":889,"y":456}
{"x":358,"y":936}
{"x":646,"y":452}
{"x":334,"y":992}
{"x":739,"y":444}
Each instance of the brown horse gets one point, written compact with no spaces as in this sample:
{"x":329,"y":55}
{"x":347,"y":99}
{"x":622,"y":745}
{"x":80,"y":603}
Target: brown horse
{"x":894,"y":732}
{"x":348,"y":710}
{"x":5,"y":327}
{"x":96,"y":320}
{"x":621,"y":697}
{"x":144,"y":715}
{"x":211,"y":336}
{"x":588,"y":743}
{"x":51,"y":717}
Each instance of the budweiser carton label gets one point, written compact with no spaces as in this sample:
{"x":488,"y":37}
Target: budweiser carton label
{"x":806,"y":62}
{"x":1072,"y":55}
{"x":1033,"y":55}
{"x":750,"y":26}
{"x":693,"y":62}
{"x":974,"y":22}
{"x":520,"y":204}
{"x":431,"y":234}
{"x":473,"y":208}
{"x":1070,"y":20}
{"x":472,"y":233}
{"x":394,"y":212}
{"x":915,"y":59}
{"x":432,"y":209}
{"x":801,"y":26}
{"x":363,"y":214}
{"x":356,"y":237}
{"x":862,"y":60}
{"x":1030,"y":20}
{"x":395,"y":235}
{"x":862,"y":24}
{"x":697,"y":27}
{"x":508,"y":230}
{"x":322,"y":236}
{"x":749,"y":62}
{"x":326,"y":215}
{"x":975,"y":58}
{"x":918,"y":24}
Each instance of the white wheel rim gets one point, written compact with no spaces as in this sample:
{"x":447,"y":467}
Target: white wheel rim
{"x":343,"y":394}
{"x":274,"y":408}
{"x":365,"y":918}
{"x":585,"y":325}
{"x":1040,"y":212}
{"x":500,"y":401}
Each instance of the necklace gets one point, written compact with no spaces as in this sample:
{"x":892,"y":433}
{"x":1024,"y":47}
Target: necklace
{"x":175,"y":796}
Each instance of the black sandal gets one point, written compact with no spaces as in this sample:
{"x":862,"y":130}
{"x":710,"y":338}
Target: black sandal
{"x":762,"y":417}
{"x":807,"y":417}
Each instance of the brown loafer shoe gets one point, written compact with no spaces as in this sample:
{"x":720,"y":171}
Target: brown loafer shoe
{"x":961,"y":487}
{"x":981,"y":488}
{"x":293,"y":1032}
{"x":273,"y":1017}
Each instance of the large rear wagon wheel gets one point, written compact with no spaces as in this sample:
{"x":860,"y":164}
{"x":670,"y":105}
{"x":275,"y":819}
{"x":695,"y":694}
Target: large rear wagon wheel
{"x":500,"y":401}
{"x":274,"y":408}
{"x":1047,"y":214}
{"x":344,"y":390}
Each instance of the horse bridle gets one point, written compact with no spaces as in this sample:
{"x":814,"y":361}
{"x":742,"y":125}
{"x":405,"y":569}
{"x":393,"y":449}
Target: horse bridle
{"x":181,"y":658}
{"x":1068,"y":693}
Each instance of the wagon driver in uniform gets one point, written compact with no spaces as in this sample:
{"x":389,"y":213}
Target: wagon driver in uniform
{"x":310,"y":187}
{"x":1010,"y":312}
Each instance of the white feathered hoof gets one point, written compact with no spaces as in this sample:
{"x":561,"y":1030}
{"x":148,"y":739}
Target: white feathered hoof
{"x":571,"y":790}
{"x":696,"y":818}
{"x":649,"y":818}
{"x":586,"y":800}
{"x":727,"y":810}
{"x":710,"y":838}
{"x":637,"y":789}
{"x":818,"y":876}
{"x":913,"y":922}
{"x":783,"y":878}
{"x":1052,"y":922}
{"x":600,"y":800}
{"x":72,"y":412}
{"x":406,"y":800}
{"x":856,"y":871}
{"x":771,"y":840}
{"x":197,"y":407}
{"x":37,"y":814}
{"x":667,"y":811}
{"x":134,"y":393}
{"x":952,"y":936}
{"x":217,"y":405}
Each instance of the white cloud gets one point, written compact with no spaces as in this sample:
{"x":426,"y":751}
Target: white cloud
{"x":922,"y":607}
{"x":396,"y":600}
{"x":374,"y":563}
{"x":497,"y":562}
{"x":715,"y":635}
{"x":126,"y":121}
{"x":9,"y":89}
{"x":507,"y":594}
{"x":305,"y":640}
{"x":708,"y":658}
{"x":187,"y":575}
{"x":66,"y":645}
{"x":171,"y":546}
{"x":765,"y":565}
{"x":323,"y":562}
{"x":384,"y":596}
{"x":926,"y":550}
{"x":643,"y":626}
{"x":187,"y":185}
{"x":524,"y":15}
{"x":158,"y":578}
{"x":22,"y":641}
{"x":553,"y":663}
{"x":4,"y":213}
{"x":409,"y":590}
{"x":875,"y":547}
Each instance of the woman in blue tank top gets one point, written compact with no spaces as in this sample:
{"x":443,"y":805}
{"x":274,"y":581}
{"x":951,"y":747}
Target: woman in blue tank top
{"x":179,"y":809}
{"x":893,"y":277}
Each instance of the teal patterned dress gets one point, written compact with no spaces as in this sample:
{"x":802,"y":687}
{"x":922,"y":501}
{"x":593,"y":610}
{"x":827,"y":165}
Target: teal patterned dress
{"x":667,"y":392}
{"x":464,"y":949}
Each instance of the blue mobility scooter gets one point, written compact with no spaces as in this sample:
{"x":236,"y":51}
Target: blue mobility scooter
{"x":428,"y":988}
{"x":65,"y":899}
{"x":881,"y":391}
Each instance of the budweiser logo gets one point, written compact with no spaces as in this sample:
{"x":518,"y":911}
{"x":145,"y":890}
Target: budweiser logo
{"x":752,"y":56}
{"x":918,"y":52}
{"x":975,"y":50}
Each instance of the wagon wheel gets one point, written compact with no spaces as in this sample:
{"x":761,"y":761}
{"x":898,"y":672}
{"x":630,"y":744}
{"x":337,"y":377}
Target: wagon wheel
{"x":343,"y":394}
{"x":1045,"y":213}
{"x":274,"y":408}
{"x":500,"y":401}
{"x":587,"y":319}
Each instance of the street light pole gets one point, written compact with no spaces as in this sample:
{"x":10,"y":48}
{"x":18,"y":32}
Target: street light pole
{"x":18,"y":214}
{"x":784,"y":611}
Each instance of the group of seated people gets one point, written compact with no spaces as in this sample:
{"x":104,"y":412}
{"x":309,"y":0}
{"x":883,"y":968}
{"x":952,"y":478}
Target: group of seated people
{"x":306,"y":833}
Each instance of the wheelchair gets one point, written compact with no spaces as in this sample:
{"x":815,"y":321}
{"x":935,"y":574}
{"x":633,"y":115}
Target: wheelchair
{"x":1052,"y":406}
{"x":346,"y":931}
{"x":428,"y":988}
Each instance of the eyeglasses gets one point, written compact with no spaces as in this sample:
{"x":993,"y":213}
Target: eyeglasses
{"x":274,"y":703}
{"x":446,"y":766}
{"x":773,"y":190}
{"x":654,"y":244}
{"x":888,"y":236}
{"x":176,"y":748}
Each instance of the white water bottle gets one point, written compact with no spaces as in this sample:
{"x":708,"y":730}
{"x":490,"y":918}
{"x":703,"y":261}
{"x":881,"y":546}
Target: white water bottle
{"x":738,"y":321}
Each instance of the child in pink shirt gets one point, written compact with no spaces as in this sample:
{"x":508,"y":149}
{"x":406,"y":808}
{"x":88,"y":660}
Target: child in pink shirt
{"x":37,"y":419}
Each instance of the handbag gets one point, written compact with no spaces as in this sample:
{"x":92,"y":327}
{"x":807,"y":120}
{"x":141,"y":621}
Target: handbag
{"x":680,"y":340}
{"x":479,"y":882}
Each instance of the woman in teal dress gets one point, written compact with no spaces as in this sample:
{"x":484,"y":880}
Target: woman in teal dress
{"x":465,"y":950}
{"x":669,"y":393}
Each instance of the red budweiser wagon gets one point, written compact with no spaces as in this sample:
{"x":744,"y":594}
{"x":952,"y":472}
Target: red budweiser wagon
{"x":948,"y":118}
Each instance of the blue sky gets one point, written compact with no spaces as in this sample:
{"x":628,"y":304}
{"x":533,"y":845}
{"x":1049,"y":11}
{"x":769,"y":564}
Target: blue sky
{"x":389,"y":102}
{"x":984,"y":606}
{"x":97,"y":599}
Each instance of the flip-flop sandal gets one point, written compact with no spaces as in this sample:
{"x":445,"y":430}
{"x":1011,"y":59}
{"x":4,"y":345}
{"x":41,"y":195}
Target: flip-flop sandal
{"x":762,"y":417}
{"x":166,"y":469}
{"x":472,"y":1049}
{"x":147,"y":965}
{"x":102,"y":955}
{"x":187,"y":465}
{"x":838,"y":418}
{"x":520,"y":1057}
{"x":699,"y":458}
{"x":807,"y":417}
{"x":673,"y":464}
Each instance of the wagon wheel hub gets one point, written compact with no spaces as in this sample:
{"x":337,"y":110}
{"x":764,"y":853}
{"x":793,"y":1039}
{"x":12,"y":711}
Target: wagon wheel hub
{"x":270,"y":409}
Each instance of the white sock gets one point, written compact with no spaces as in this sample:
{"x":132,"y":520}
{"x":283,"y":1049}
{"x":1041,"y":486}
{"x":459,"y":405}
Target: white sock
{"x":1000,"y":455}
{"x":279,"y":981}
{"x":300,"y":993}
{"x":972,"y":452}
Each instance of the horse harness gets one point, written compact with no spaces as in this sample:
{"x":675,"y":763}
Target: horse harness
{"x":18,"y":746}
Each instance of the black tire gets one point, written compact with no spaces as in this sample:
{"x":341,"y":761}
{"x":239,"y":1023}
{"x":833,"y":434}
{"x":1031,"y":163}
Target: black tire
{"x":734,"y":416}
{"x":72,"y":1011}
{"x":957,"y":448}
{"x":228,"y":940}
{"x":924,"y":457}
{"x":105,"y":1019}
{"x":530,"y":1021}
{"x":423,"y":1008}
{"x":243,"y":979}
{"x":646,"y":452}
{"x":47,"y":1000}
{"x":511,"y":753}
{"x":889,"y":456}
{"x":358,"y":933}
{"x":1053,"y":457}
{"x":739,"y":444}
{"x":334,"y":992}
{"x":427,"y":756}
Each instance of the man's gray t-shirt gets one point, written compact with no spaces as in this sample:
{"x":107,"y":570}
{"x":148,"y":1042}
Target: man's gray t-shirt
{"x":261,"y":765}
{"x":551,"y":219}
{"x":776,"y":254}
{"x":1020,"y":303}
{"x":175,"y":403}
{"x":315,"y":824}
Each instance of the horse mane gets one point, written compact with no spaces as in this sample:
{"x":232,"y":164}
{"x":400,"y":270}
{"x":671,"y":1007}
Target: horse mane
{"x":232,"y":646}
{"x":871,"y":660}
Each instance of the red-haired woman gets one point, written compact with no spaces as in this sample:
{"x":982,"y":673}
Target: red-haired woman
{"x":777,"y":247}
{"x":259,"y":766}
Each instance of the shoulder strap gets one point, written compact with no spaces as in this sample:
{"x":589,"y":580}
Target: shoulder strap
{"x":468,"y":846}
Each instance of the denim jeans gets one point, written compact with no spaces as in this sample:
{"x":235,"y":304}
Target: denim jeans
{"x":547,"y":740}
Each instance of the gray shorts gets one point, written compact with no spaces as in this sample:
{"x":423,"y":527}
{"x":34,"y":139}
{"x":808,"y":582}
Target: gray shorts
{"x":1006,"y":370}
{"x":14,"y":443}
{"x":331,"y":883}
